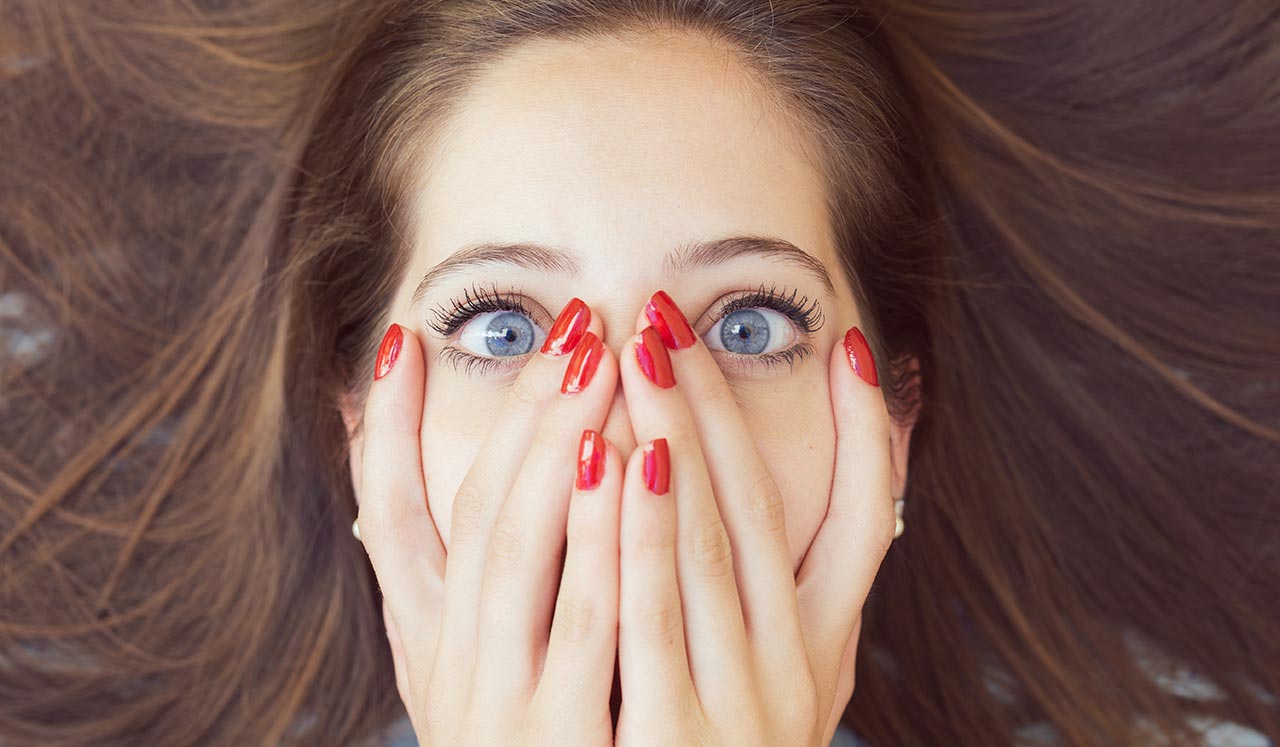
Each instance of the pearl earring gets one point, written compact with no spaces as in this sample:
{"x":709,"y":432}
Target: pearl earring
{"x":898,"y":525}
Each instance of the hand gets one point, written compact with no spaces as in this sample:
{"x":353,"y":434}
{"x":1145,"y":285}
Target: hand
{"x":718,"y":642}
{"x":478,"y":659}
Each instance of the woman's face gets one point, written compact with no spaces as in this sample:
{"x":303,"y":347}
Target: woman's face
{"x":617,"y":166}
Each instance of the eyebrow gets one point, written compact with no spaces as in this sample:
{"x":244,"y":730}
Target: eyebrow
{"x":688,"y":256}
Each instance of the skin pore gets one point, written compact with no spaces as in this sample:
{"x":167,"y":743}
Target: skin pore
{"x":608,"y":162}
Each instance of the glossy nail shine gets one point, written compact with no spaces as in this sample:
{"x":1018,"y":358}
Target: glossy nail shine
{"x":590,"y":460}
{"x":582,"y":366}
{"x":657,"y":466}
{"x":568,"y":329}
{"x":655,"y":362}
{"x":670,"y":322}
{"x":859,"y":354}
{"x":388,"y":351}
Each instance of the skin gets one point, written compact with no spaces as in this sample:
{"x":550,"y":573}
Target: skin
{"x":615,"y":152}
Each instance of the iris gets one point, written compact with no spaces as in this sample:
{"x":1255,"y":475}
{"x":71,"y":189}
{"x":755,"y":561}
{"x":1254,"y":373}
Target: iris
{"x":508,"y":334}
{"x":745,"y":331}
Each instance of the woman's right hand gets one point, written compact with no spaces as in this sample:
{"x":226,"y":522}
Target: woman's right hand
{"x":478,"y":659}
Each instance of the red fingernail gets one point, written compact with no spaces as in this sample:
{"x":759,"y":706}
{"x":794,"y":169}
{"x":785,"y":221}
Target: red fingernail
{"x":657,"y":466}
{"x":568,"y":329}
{"x":590,"y":460}
{"x":859,"y":352}
{"x":667,"y":318}
{"x":388,"y":351}
{"x":654,"y":360}
{"x":582,"y":366}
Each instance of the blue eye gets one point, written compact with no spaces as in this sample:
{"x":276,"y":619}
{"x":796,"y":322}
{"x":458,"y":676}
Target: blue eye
{"x":500,"y":334}
{"x":751,"y":331}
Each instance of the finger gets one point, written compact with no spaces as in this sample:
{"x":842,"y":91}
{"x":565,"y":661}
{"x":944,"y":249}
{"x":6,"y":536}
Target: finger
{"x":749,"y":501}
{"x":395,"y":523}
{"x":397,"y":659}
{"x":844,"y":684}
{"x":523,"y":564}
{"x":714,"y":627}
{"x":653,"y":664}
{"x":489,"y":479}
{"x":578,"y":673}
{"x":846,"y":553}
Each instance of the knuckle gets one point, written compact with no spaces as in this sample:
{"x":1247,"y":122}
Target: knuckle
{"x":681,"y":432}
{"x":580,"y":532}
{"x":882,"y":528}
{"x":712,"y":551}
{"x":506,"y":546}
{"x":718,"y":394}
{"x":577,"y":620}
{"x":525,"y":396}
{"x":764,"y":502}
{"x":662,"y":619}
{"x":470,"y":506}
{"x":553,"y":436}
{"x":654,"y":539}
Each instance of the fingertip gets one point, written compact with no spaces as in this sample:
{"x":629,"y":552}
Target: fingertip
{"x":399,"y":379}
{"x":858,"y":353}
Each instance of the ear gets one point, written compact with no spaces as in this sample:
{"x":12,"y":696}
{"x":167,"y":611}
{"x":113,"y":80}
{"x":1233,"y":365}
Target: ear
{"x":900,"y":432}
{"x":351,"y":408}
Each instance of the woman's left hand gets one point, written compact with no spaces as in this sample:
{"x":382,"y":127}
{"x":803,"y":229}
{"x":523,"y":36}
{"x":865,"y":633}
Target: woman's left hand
{"x":719,"y":643}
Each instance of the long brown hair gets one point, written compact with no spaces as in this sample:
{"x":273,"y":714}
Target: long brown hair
{"x":1069,"y":215}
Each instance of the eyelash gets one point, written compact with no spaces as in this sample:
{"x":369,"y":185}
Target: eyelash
{"x":476,"y":300}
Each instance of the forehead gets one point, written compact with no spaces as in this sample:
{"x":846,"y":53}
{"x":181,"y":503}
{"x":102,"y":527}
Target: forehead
{"x":618,"y":148}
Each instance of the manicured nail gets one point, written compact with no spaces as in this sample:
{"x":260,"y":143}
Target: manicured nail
{"x":667,"y":318}
{"x":568,"y":329}
{"x":590,"y":460}
{"x":654,"y":360}
{"x":657,"y":466}
{"x":388,"y":351}
{"x":859,"y":352}
{"x":582,"y":366}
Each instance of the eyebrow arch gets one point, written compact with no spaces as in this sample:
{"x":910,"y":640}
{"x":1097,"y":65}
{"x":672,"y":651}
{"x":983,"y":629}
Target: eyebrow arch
{"x":694,"y":254}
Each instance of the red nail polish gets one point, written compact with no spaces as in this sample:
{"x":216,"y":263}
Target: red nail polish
{"x":388,"y":351}
{"x":654,"y":360}
{"x":582,"y":366}
{"x":657,"y":466}
{"x":667,"y":318}
{"x":567,"y":332}
{"x":590,"y":460}
{"x":859,"y":352}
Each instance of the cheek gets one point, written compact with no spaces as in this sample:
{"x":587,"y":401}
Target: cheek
{"x":795,"y":433}
{"x":454,"y":424}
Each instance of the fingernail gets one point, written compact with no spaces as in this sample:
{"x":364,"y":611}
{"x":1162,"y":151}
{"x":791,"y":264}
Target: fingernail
{"x":388,"y":351}
{"x":582,"y":366}
{"x":568,"y":328}
{"x":654,"y":360}
{"x":657,"y":466}
{"x":667,"y":318}
{"x":590,"y":460}
{"x":859,"y":352}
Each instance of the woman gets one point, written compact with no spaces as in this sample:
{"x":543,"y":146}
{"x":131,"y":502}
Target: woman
{"x":624,"y":309}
